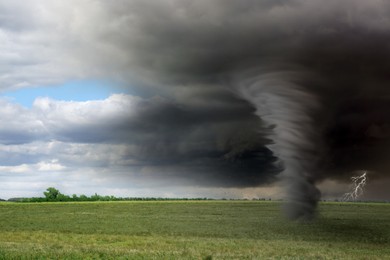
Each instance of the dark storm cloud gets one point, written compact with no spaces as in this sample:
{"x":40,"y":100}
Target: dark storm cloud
{"x":338,"y":48}
{"x":194,"y":41}
{"x":209,"y":144}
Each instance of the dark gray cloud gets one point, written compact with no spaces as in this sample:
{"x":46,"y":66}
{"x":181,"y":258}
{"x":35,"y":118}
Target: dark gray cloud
{"x":338,"y":51}
{"x":209,"y":144}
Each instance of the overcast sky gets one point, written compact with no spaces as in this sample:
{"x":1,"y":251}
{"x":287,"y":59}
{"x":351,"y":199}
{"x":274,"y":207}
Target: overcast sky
{"x":190,"y":98}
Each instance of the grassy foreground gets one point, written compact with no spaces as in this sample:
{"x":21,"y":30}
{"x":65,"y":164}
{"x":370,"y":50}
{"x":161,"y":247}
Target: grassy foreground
{"x":191,"y":230}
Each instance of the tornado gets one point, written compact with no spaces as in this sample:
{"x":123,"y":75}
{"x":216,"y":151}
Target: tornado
{"x":286,"y":107}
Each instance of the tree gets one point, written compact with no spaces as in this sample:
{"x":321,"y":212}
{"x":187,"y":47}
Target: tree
{"x":74,"y":197}
{"x":83,"y":197}
{"x":62,"y":197}
{"x":51,"y":194}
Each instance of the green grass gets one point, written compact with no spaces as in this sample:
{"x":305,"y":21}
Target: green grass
{"x":191,"y":230}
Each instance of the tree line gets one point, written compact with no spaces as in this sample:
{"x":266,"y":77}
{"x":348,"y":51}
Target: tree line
{"x":54,"y":195}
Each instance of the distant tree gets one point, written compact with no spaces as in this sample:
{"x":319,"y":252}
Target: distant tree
{"x":83,"y":197}
{"x":51,"y":194}
{"x":15,"y":199}
{"x":74,"y":197}
{"x":34,"y":199}
{"x":96,"y":197}
{"x":62,"y":197}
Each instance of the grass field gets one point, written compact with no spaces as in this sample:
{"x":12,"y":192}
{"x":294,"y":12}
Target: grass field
{"x":191,"y":230}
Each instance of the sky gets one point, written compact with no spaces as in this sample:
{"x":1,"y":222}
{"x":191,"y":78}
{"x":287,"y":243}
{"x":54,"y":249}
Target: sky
{"x":221,"y":98}
{"x":80,"y":90}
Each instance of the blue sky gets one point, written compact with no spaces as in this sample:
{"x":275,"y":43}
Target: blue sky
{"x":77,"y":90}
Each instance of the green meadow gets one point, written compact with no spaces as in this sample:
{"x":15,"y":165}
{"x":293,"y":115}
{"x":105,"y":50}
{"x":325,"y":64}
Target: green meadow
{"x":191,"y":230}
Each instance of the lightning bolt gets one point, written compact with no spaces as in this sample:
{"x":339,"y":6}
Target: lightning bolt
{"x":358,"y":183}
